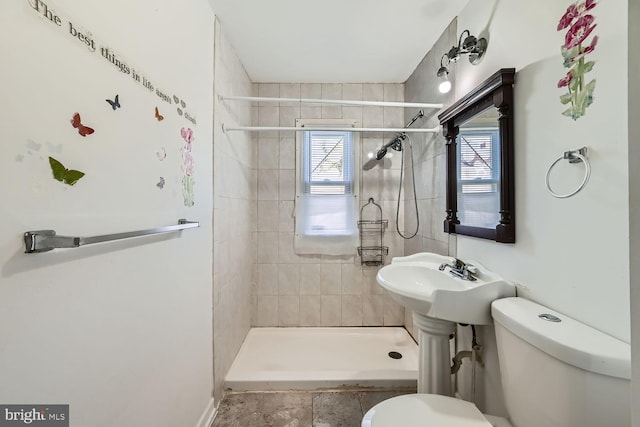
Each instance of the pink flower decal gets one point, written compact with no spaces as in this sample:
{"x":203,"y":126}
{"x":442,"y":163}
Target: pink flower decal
{"x":565,"y":80}
{"x":568,"y":17}
{"x":579,"y":31}
{"x":573,"y":11}
{"x":591,"y":47}
{"x":187,"y":167}
{"x":187,"y":135}
{"x":580,"y":23}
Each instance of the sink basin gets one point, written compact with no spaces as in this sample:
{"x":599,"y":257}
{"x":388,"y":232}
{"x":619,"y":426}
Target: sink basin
{"x":415,"y":282}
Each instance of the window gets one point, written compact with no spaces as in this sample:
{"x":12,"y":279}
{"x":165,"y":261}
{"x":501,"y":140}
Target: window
{"x":326,"y":190}
{"x":478,"y":176}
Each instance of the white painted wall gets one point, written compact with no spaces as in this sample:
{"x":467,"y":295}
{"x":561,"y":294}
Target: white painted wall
{"x":570,"y":254}
{"x":121,"y":331}
{"x":634,"y":205}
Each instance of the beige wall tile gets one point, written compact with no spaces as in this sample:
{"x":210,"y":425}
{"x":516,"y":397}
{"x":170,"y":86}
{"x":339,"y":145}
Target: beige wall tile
{"x":393,"y":312}
{"x":268,"y":184}
{"x":267,"y":279}
{"x":310,"y":310}
{"x":330,"y":279}
{"x":330,"y":310}
{"x":311,"y":90}
{"x":288,"y":279}
{"x":352,"y":91}
{"x":351,"y":310}
{"x":310,"y":279}
{"x":289,"y":90}
{"x":373,"y":92}
{"x":287,"y":184}
{"x":372,"y":310}
{"x":267,"y":247}
{"x":268,"y":153}
{"x":287,"y":153}
{"x":288,"y":310}
{"x":285,"y":216}
{"x":268,"y":215}
{"x":267,"y":310}
{"x":351,"y":276}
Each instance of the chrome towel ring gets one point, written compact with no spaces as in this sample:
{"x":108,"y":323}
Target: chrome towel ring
{"x":574,"y":156}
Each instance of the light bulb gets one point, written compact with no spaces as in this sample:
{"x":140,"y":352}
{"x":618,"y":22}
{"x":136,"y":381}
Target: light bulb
{"x":444,"y":86}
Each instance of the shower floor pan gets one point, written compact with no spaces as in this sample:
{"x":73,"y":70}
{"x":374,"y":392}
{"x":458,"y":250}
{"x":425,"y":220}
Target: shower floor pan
{"x":321,"y":358}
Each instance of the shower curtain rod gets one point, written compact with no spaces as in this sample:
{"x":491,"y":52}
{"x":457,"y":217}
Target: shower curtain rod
{"x":319,"y":128}
{"x":331,"y":101}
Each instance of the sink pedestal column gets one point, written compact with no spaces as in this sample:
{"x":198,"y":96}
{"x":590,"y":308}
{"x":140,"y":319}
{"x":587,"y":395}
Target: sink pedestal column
{"x":434,"y":370}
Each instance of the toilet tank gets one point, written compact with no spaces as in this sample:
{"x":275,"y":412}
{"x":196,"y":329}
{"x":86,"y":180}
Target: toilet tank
{"x":560,"y":373}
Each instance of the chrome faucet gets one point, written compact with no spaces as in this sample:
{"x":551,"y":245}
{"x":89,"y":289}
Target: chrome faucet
{"x":459,"y":269}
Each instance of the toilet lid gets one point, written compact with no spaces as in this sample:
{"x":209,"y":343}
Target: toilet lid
{"x":420,"y":410}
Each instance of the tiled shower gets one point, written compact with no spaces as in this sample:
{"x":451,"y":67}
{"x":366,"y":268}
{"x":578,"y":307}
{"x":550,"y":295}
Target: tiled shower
{"x":259,"y":280}
{"x":307,"y":290}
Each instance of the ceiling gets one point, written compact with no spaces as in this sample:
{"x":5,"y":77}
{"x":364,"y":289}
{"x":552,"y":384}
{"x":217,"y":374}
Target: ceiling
{"x":333,"y":41}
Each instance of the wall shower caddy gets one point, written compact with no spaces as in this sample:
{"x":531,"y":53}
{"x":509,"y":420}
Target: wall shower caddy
{"x":372,"y":250}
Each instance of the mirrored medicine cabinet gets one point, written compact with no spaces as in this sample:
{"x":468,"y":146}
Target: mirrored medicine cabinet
{"x":480,"y":159}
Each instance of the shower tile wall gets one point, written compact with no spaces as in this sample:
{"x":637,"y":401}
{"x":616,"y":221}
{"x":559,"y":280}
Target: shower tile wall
{"x":430,"y":160}
{"x":234,"y":212}
{"x":305,"y":290}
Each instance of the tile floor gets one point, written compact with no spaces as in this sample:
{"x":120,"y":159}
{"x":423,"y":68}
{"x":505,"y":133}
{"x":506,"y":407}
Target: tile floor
{"x":299,"y":408}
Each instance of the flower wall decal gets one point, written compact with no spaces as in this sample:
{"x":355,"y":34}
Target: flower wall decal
{"x":187,"y":167}
{"x":579,"y":23}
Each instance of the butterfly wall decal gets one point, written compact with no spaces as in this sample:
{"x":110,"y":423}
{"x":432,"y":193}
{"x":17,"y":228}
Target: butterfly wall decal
{"x":62,"y":174}
{"x":159,"y":116}
{"x":115,"y":104}
{"x":82,"y":129}
{"x":160,"y":183}
{"x":54,"y":148}
{"x":162,"y":154}
{"x":32,"y":145}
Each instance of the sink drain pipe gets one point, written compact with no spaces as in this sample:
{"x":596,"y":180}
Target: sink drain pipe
{"x":475,"y":355}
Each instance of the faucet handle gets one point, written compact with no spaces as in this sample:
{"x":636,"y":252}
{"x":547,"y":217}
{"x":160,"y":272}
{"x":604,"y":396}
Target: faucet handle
{"x":456,"y":262}
{"x":471,"y":268}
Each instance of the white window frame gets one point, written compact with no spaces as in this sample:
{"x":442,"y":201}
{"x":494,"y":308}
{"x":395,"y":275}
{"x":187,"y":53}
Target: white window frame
{"x":308,"y":238}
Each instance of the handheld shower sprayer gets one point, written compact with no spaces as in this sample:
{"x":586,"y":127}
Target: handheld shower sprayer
{"x":395,"y":143}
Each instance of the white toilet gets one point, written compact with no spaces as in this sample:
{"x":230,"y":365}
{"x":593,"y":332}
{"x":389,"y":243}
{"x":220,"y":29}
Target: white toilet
{"x":554,"y":374}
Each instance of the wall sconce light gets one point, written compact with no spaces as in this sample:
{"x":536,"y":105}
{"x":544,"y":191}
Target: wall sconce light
{"x":470,"y":45}
{"x":445,"y":84}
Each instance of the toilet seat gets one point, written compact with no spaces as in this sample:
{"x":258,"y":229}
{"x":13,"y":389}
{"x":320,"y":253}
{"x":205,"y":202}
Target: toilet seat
{"x":419,"y":410}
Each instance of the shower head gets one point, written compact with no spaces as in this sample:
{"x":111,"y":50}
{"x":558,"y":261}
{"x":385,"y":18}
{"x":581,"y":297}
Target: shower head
{"x":395,"y":143}
{"x":381,"y":153}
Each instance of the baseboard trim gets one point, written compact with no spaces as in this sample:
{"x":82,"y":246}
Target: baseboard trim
{"x":209,"y":414}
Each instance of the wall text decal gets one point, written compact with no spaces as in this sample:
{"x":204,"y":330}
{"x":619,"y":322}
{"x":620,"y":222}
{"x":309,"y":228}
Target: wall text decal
{"x":85,"y":37}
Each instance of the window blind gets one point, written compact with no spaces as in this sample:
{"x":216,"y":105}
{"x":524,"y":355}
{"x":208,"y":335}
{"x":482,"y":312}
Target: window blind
{"x":478,"y":165}
{"x":478,"y":176}
{"x":326,"y":202}
{"x":328,"y":162}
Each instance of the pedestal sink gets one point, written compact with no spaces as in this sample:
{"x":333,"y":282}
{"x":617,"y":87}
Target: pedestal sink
{"x":439,"y":300}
